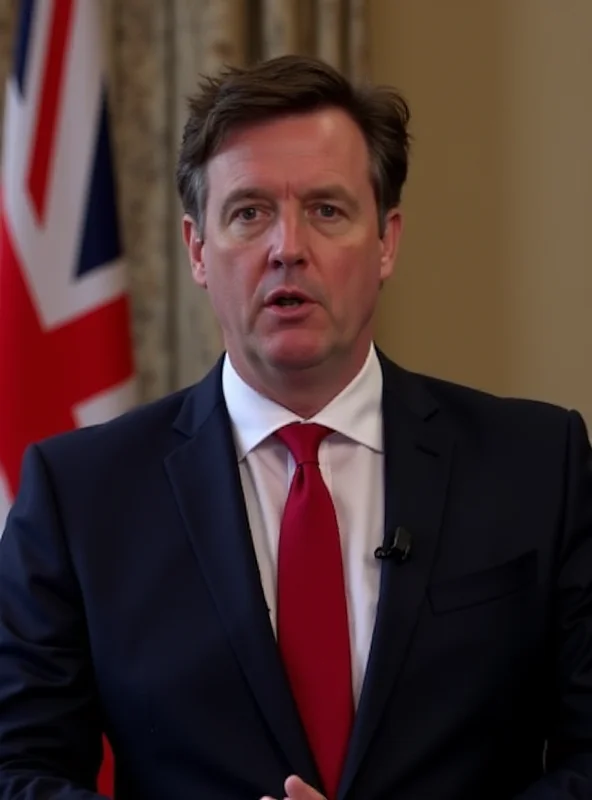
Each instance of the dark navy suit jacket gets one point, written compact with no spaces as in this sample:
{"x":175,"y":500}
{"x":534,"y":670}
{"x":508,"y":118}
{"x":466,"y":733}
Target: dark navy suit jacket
{"x":130,"y":602}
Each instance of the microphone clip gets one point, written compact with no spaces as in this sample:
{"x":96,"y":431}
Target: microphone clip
{"x":397,"y":546}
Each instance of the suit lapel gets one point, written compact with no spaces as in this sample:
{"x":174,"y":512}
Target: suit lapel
{"x":206,"y":482}
{"x":418,"y":451}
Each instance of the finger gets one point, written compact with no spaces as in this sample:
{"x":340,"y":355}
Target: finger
{"x":296,"y":789}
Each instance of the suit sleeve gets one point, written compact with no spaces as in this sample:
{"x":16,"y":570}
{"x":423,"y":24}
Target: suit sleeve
{"x":50,"y":729}
{"x":568,"y":761}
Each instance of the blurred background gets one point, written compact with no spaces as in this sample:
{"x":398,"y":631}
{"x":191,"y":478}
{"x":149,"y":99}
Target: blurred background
{"x":493,"y":287}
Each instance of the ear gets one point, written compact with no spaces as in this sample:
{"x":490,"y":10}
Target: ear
{"x":195,"y":246}
{"x":389,"y":243}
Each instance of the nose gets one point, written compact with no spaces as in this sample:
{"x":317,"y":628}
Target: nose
{"x":289,"y":246}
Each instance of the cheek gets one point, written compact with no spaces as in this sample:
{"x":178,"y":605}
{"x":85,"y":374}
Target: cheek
{"x":355,"y":274}
{"x":232,"y":275}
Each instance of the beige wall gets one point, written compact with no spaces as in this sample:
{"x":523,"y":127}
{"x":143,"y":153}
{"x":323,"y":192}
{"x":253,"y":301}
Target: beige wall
{"x":494,"y":284}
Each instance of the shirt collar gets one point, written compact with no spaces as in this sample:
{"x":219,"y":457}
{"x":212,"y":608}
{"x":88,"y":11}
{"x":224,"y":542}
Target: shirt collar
{"x":356,"y":412}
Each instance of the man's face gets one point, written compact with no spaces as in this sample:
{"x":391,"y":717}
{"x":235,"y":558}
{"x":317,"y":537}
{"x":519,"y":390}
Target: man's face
{"x":291,"y":255}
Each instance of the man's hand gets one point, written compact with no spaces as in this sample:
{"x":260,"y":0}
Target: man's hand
{"x":296,"y":789}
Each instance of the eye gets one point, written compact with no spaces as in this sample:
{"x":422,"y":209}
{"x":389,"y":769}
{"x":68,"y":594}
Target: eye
{"x":247,"y":214}
{"x":328,"y":211}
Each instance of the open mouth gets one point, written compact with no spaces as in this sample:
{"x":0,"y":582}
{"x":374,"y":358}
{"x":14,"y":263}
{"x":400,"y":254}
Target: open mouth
{"x":286,"y":302}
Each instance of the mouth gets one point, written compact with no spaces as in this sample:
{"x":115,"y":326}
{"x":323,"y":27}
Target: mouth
{"x":288,"y":306}
{"x":286,"y":298}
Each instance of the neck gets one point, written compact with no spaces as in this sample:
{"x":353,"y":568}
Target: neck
{"x":304,"y":391}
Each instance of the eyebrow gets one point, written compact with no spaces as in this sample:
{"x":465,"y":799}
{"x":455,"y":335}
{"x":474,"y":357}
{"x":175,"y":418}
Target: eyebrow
{"x":329,"y":192}
{"x":332,"y":192}
{"x":240,"y":195}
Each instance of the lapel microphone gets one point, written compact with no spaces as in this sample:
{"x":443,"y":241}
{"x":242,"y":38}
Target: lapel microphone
{"x":397,"y":545}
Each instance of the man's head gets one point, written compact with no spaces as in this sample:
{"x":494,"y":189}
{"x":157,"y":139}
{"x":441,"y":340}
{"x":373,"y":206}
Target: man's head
{"x":291,"y":85}
{"x":291,"y":181}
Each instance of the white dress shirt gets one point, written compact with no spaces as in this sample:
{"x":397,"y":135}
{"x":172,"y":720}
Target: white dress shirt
{"x":351,"y":462}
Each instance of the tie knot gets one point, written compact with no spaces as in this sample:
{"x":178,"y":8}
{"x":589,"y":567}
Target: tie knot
{"x":303,"y":439}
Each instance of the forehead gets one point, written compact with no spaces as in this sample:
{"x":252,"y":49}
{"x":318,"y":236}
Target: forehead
{"x":299,"y":150}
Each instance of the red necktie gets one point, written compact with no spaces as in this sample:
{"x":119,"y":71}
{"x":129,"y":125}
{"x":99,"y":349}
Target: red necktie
{"x":313,"y":633}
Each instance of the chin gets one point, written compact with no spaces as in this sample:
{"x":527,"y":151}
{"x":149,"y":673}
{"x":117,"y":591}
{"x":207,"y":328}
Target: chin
{"x":295,"y":357}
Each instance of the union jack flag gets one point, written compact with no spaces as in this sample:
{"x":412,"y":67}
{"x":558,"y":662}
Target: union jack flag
{"x":65,"y":353}
{"x":65,"y":350}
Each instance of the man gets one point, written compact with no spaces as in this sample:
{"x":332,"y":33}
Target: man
{"x":313,"y":574}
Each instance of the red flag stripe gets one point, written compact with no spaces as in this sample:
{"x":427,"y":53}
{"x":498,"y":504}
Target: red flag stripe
{"x":49,"y":103}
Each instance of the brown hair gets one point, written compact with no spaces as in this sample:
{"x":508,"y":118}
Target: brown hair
{"x":290,"y":85}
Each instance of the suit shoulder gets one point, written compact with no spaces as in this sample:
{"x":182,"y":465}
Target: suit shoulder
{"x":141,"y":425}
{"x":447,"y":391}
{"x":476,"y":409}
